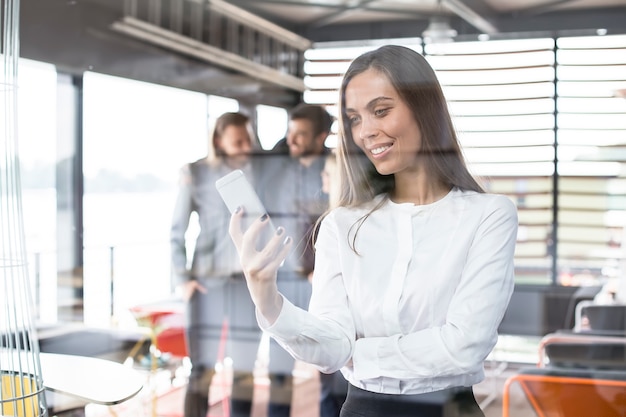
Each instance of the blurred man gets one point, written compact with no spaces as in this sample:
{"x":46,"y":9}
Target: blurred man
{"x":293,"y":196}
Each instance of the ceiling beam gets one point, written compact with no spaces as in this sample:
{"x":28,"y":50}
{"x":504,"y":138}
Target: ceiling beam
{"x":461,"y":9}
{"x":338,"y":10}
{"x":175,"y":42}
{"x":343,"y":11}
{"x":543,"y":8}
{"x":262,"y":25}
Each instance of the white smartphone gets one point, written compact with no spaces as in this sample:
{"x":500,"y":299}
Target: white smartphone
{"x":236,"y":191}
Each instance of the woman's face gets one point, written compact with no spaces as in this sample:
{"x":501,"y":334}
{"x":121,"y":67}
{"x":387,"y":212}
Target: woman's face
{"x":382,"y":125}
{"x":235,"y":142}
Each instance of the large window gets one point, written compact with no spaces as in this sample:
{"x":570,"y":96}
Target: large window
{"x":501,"y":95}
{"x":591,"y":138}
{"x":136,"y":138}
{"x":99,"y":244}
{"x":539,"y":121}
{"x":37,"y":124}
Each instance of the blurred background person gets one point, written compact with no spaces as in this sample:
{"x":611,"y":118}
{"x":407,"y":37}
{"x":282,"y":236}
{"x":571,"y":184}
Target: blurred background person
{"x":291,"y":189}
{"x":329,"y":174}
{"x":211,"y":282}
{"x":333,"y":386}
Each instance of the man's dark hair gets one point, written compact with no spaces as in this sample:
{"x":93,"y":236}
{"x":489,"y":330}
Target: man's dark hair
{"x":319,"y":117}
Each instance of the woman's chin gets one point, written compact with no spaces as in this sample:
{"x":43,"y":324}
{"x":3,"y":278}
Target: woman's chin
{"x":382,"y":170}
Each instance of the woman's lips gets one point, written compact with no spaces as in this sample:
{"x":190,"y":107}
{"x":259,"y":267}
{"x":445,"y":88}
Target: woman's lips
{"x":379,"y":150}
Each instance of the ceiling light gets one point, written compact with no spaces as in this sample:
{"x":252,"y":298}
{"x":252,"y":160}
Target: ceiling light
{"x":439,"y":31}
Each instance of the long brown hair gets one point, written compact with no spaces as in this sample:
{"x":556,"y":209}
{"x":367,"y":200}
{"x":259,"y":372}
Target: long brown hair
{"x":417,"y":85}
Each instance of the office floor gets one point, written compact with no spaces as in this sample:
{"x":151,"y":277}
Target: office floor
{"x":169,"y":404}
{"x":163,"y":393}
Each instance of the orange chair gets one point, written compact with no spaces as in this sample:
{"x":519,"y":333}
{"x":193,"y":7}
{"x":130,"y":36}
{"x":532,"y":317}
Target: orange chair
{"x":569,"y":393}
{"x":590,"y":386}
{"x":593,"y":382}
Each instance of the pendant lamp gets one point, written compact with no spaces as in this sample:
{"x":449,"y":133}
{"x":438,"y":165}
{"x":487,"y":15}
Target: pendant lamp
{"x":22,"y":390}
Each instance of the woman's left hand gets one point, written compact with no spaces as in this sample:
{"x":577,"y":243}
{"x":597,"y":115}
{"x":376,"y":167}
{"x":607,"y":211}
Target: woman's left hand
{"x":260,"y":266}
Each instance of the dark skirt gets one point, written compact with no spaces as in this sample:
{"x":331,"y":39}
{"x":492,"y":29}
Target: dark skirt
{"x":453,"y":402}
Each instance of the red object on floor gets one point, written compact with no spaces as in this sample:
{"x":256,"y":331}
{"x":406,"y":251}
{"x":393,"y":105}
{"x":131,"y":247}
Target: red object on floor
{"x":172,"y":340}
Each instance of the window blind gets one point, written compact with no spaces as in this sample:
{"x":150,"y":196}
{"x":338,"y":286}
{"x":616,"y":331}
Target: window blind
{"x":539,"y":121}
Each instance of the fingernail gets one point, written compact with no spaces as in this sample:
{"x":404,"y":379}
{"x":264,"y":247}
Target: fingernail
{"x":279,"y":231}
{"x":264,"y":217}
{"x":238,"y":209}
{"x":288,"y":240}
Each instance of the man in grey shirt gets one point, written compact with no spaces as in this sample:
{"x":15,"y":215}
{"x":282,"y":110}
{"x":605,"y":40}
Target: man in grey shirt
{"x":291,"y":188}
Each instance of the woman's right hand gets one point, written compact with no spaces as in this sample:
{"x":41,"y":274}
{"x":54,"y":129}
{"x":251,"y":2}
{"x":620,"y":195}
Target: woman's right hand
{"x":189,"y":287}
{"x":260,"y":267}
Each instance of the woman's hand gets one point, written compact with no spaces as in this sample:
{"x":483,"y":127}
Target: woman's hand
{"x":260,"y":266}
{"x":188,"y":288}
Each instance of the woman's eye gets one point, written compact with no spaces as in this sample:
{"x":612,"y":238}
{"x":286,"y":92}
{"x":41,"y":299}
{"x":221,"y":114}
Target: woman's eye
{"x":381,"y":112}
{"x":353,"y":120}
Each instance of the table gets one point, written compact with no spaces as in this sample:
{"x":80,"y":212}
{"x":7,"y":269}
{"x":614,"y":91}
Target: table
{"x":76,"y":380}
{"x":94,"y":380}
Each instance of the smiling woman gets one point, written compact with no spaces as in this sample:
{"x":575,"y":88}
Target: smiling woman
{"x":403,"y":126}
{"x":381,"y":124}
{"x":401,"y":318}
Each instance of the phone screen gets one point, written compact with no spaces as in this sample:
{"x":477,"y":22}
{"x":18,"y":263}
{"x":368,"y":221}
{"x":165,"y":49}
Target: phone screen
{"x":236,"y":191}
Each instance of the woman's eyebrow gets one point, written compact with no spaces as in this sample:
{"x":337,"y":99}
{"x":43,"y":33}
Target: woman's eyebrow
{"x":371,"y":104}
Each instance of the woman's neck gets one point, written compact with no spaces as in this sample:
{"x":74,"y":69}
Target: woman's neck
{"x":236,"y":162}
{"x":418,"y":189}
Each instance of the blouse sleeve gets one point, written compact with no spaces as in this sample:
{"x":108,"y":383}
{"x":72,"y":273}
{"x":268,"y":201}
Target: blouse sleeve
{"x":323,"y":336}
{"x":476,"y":309}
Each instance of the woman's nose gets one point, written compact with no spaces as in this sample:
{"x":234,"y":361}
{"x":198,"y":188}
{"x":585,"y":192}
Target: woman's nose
{"x":367,"y":129}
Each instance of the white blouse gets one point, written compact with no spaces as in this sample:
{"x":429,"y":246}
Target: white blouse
{"x":417,"y":308}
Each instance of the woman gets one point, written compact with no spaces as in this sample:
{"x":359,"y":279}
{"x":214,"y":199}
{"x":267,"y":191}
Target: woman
{"x":212,"y":283}
{"x":414,"y":268}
